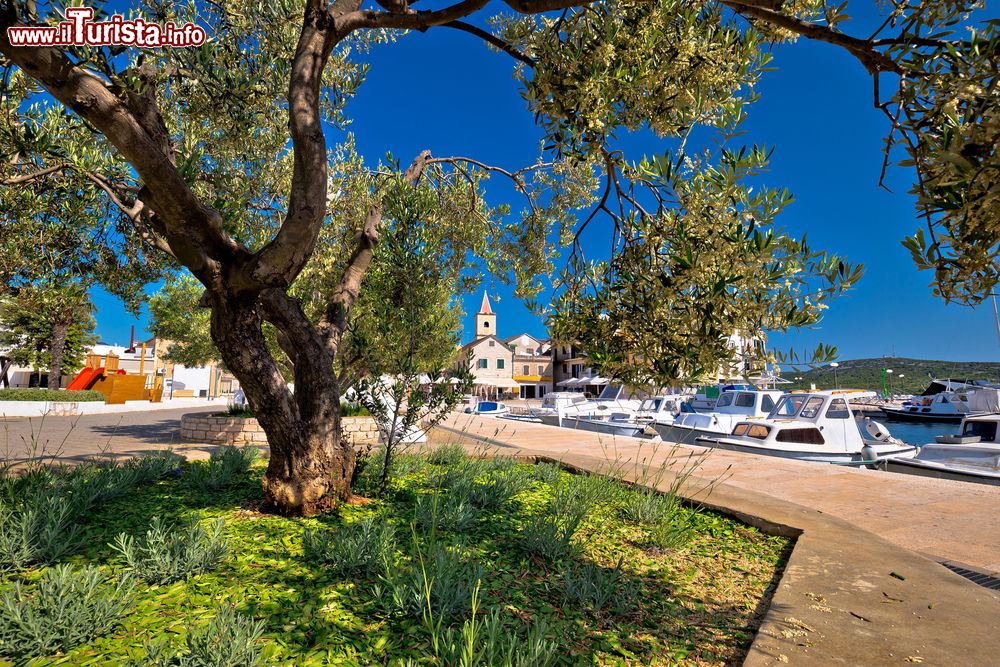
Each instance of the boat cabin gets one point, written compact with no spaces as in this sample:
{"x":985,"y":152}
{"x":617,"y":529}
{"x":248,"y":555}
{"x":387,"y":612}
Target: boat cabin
{"x":811,"y":420}
{"x":731,"y":406}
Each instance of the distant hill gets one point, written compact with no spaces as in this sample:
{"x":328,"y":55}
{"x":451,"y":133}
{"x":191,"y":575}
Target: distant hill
{"x":867,"y":374}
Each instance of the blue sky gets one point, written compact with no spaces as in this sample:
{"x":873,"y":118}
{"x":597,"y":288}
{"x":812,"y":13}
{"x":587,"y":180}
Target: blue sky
{"x":446,"y":92}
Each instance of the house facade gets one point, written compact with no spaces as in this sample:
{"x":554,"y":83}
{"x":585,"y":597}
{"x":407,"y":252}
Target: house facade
{"x":520,"y":366}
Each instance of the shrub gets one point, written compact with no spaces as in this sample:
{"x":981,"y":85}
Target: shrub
{"x":41,"y":512}
{"x":66,"y":608}
{"x":238,"y":411}
{"x":448,"y":455}
{"x":365,"y":547}
{"x":486,"y":642}
{"x":369,"y":468}
{"x":547,"y":473}
{"x":434,"y":511}
{"x":647,"y":506}
{"x":437,"y":588}
{"x":673,"y":531}
{"x":550,"y":535}
{"x":51,"y":395}
{"x":352,"y":410}
{"x":226,"y":466}
{"x":597,"y":588}
{"x":168,"y":553}
{"x":486,"y":484}
{"x":228,"y":640}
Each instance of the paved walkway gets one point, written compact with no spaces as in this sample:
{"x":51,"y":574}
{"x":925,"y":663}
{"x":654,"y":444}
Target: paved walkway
{"x":121,"y":435}
{"x":949,"y":521}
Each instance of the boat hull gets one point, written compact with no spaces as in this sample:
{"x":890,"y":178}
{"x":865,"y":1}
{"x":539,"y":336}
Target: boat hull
{"x":798,"y":455}
{"x":895,"y":414}
{"x":682,"y":434}
{"x":622,"y":429}
{"x":918,"y":467}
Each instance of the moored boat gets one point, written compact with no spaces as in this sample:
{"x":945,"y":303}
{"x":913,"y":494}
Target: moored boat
{"x":733,"y":406}
{"x":973,"y":455}
{"x":813,"y":426}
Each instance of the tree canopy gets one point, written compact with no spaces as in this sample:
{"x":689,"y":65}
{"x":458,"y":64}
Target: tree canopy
{"x":189,"y":148}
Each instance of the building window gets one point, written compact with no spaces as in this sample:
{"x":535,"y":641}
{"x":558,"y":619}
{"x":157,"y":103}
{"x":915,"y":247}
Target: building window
{"x":564,"y":369}
{"x":499,"y":363}
{"x":541,"y":370}
{"x":527,"y":370}
{"x":482,"y":363}
{"x":486,"y":324}
{"x":493,"y":343}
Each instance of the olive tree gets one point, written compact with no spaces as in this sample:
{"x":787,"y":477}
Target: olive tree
{"x":182,"y":127}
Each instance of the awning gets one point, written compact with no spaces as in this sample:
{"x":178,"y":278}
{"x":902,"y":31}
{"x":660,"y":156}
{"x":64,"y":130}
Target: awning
{"x":568,"y":383}
{"x":597,"y":379}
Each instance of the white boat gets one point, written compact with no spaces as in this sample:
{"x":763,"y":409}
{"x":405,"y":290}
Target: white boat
{"x":946,"y":406}
{"x":733,"y":406}
{"x":488,"y":409}
{"x":630,"y":422}
{"x":813,"y":426}
{"x":614,"y":398}
{"x":971,"y":456}
{"x":706,"y":397}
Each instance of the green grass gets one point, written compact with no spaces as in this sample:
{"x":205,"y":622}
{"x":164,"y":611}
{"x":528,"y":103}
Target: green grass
{"x":38,"y":394}
{"x":699,"y":604}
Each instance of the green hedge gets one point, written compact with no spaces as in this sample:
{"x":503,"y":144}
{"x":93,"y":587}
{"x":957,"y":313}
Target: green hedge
{"x":54,"y":395}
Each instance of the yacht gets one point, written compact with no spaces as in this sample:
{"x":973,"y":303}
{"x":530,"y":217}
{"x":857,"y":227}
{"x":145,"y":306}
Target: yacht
{"x":734,"y":405}
{"x":947,"y":407}
{"x":630,"y":422}
{"x":614,"y":398}
{"x":813,"y":426}
{"x":973,"y":455}
{"x":706,"y":397}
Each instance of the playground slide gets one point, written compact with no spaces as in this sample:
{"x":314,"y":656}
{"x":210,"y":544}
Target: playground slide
{"x":86,"y":378}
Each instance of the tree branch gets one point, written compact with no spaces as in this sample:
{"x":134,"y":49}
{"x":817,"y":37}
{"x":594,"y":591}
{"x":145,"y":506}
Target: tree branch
{"x":24,"y":178}
{"x":873,"y":60}
{"x":492,"y":39}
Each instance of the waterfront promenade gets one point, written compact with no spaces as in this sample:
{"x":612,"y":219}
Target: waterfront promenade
{"x":948,"y":521}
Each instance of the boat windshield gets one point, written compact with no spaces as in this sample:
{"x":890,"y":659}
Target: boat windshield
{"x":987,"y":431}
{"x":725,"y":399}
{"x":611,"y":392}
{"x":788,"y":406}
{"x":486,"y":406}
{"x":651,"y":405}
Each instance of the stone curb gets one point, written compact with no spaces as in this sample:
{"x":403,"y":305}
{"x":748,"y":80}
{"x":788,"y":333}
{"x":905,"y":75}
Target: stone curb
{"x":226,"y":430}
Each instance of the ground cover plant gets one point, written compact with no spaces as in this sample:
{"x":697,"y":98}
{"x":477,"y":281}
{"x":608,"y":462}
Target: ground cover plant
{"x":404,"y":578}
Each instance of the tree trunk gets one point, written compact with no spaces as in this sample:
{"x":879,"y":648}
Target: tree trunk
{"x":310,"y":467}
{"x":59,"y":330}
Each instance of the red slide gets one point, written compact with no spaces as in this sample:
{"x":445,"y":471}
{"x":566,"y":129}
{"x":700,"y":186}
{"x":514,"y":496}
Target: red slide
{"x":86,"y":378}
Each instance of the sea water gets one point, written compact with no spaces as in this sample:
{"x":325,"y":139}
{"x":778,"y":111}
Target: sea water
{"x":917,"y":434}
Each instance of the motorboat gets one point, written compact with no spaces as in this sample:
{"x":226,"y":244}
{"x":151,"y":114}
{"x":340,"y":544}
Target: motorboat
{"x":706,"y":397}
{"x":630,"y":422}
{"x":614,"y":398}
{"x":946,"y":406}
{"x":488,"y":409}
{"x":552,"y":403}
{"x":813,"y":426}
{"x":734,"y":405}
{"x":973,"y":455}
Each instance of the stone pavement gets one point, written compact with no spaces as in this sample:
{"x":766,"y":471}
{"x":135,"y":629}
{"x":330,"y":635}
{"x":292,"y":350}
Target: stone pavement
{"x":948,"y":521}
{"x":119,"y":435}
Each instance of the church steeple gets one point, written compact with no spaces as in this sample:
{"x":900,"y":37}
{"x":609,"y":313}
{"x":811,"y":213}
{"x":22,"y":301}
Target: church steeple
{"x":486,"y":319}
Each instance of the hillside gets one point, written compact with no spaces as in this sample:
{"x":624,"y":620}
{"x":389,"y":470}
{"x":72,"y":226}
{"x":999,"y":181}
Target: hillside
{"x":867,"y":373}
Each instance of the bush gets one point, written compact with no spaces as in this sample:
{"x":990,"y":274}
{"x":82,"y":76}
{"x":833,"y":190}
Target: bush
{"x":448,"y":455}
{"x":41,"y":512}
{"x":486,"y":642}
{"x":485,"y":484}
{"x":437,"y":588}
{"x":228,"y":640}
{"x":66,"y":608}
{"x":352,"y":410}
{"x":366,"y":547}
{"x":52,"y":395}
{"x":644,"y":505}
{"x":226,"y":467}
{"x":550,"y":534}
{"x":238,"y":411}
{"x":597,"y":588}
{"x":547,"y":473}
{"x":169,"y":553}
{"x":369,"y":468}
{"x":445,"y":513}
